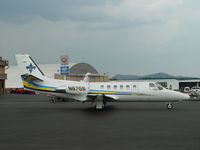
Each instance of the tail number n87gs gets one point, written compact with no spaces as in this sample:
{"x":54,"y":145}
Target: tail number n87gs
{"x":76,"y":88}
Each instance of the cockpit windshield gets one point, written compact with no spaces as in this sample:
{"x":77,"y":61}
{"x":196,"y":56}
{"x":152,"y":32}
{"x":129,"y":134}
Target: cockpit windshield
{"x":155,"y":86}
{"x":159,"y":86}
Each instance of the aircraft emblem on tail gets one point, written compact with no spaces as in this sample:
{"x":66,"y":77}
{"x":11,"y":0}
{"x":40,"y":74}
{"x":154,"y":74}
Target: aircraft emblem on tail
{"x":30,"y":68}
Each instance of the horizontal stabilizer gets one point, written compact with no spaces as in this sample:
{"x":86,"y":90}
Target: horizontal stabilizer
{"x":30,"y":78}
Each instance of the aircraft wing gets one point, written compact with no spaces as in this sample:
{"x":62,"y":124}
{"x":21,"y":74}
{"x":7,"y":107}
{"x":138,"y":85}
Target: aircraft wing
{"x":108,"y":98}
{"x":114,"y":97}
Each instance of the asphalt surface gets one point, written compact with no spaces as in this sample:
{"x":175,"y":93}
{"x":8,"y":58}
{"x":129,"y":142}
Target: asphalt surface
{"x":32,"y":123}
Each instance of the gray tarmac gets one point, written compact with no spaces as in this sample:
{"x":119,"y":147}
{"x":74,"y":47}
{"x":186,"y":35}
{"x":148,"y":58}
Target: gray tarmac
{"x":31,"y":122}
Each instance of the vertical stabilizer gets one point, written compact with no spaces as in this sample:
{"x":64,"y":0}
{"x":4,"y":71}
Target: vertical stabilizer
{"x":26,"y":65}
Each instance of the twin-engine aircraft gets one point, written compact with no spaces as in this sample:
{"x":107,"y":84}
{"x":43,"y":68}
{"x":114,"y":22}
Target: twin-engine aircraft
{"x":98,"y":93}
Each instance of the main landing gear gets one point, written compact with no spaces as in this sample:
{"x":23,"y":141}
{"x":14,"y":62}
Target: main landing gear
{"x":99,"y":105}
{"x":99,"y":102}
{"x":169,"y":106}
{"x":53,"y":100}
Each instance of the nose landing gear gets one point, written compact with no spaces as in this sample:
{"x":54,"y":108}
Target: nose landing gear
{"x":169,"y":106}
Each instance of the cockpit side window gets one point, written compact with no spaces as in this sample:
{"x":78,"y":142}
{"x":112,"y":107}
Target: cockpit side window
{"x":151,"y":85}
{"x":155,"y":86}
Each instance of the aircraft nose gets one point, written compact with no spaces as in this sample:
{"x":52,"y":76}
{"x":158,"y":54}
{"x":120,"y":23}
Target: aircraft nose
{"x":184,"y":96}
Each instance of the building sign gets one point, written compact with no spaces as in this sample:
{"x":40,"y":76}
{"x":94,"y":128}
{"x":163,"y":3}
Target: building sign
{"x":64,"y":70}
{"x":64,"y":60}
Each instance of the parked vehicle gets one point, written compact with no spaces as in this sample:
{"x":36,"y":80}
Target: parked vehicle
{"x":195,"y":91}
{"x":19,"y":91}
{"x":187,"y":90}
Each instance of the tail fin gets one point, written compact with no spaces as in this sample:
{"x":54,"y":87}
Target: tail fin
{"x":27,"y":66}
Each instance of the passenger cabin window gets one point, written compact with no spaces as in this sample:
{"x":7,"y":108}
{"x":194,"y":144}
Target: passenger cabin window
{"x":127,"y":86}
{"x":151,"y":85}
{"x":102,"y":86}
{"x":115,"y":87}
{"x":108,"y":87}
{"x":134,"y":86}
{"x":121,"y":87}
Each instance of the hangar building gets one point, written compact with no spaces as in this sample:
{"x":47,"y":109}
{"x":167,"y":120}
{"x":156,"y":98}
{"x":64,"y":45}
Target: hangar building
{"x":77,"y":73}
{"x":3,"y":75}
{"x":82,"y":68}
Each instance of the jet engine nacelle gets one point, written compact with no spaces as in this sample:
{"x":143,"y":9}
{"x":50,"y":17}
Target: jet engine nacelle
{"x":77,"y":91}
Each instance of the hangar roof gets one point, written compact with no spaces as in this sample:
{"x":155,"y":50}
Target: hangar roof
{"x":82,"y":68}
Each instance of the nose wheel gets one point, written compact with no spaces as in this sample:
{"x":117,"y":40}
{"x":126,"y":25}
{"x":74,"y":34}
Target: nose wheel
{"x":169,"y":106}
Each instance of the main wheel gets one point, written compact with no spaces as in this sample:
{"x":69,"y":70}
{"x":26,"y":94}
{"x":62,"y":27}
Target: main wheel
{"x":53,"y":100}
{"x":169,"y":106}
{"x":100,"y":106}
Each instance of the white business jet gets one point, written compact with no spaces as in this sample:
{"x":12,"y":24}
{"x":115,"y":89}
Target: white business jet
{"x":97,"y":92}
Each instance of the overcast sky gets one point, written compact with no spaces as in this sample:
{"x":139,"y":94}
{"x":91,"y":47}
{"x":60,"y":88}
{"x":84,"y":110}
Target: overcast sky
{"x":116,"y":36}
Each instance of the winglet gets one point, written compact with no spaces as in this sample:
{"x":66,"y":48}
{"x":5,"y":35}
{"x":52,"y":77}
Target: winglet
{"x":87,"y":78}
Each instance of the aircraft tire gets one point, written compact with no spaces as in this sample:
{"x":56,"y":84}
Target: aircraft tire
{"x":100,"y":107}
{"x":169,"y":106}
{"x":53,"y":100}
{"x":103,"y":106}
